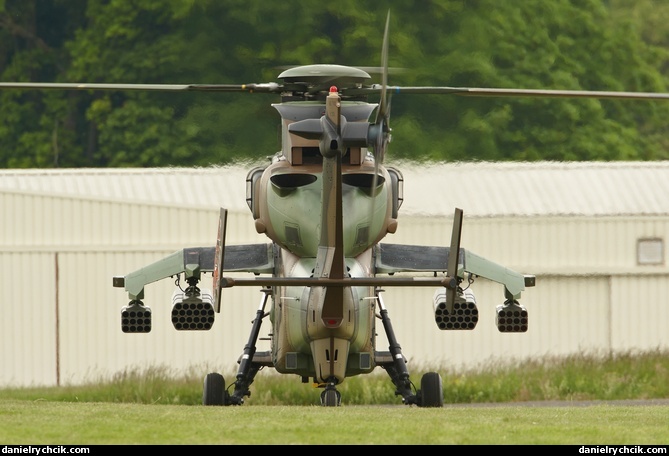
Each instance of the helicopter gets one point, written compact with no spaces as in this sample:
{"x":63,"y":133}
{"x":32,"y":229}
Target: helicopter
{"x":326,"y":201}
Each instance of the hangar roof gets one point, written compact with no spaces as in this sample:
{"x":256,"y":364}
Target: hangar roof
{"x":481,"y":189}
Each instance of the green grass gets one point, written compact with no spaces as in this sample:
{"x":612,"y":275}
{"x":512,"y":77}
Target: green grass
{"x":155,"y":407}
{"x":612,"y":377}
{"x":99,"y":423}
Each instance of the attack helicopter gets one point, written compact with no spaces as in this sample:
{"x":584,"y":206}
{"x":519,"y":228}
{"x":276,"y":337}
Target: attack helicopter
{"x":326,"y":201}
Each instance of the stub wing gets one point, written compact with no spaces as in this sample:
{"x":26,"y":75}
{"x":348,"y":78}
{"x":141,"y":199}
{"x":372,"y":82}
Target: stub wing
{"x":394,"y":258}
{"x":192,"y":261}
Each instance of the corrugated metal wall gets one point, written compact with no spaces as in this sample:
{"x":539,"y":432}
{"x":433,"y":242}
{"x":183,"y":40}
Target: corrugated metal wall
{"x":61,"y":319}
{"x":62,"y":316}
{"x":591,"y":296}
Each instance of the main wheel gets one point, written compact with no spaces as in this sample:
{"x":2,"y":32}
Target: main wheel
{"x":431,"y":391}
{"x":214,"y":389}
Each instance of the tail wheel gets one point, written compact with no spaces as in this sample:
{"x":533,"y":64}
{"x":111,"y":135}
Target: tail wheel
{"x":331,"y":398}
{"x":431,"y":390}
{"x":214,"y":389}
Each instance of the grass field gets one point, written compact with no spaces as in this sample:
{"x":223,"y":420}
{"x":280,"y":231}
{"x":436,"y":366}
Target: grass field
{"x":95,"y":423}
{"x":510,"y":404}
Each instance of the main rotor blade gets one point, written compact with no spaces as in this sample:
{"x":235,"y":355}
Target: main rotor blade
{"x":381,"y":113}
{"x":271,"y":87}
{"x":381,"y":128}
{"x":381,"y":123}
{"x":490,"y":92}
{"x":382,"y":89}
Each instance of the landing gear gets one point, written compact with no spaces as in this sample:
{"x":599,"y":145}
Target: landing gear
{"x":431,"y":392}
{"x":249,"y":364}
{"x":330,"y":397}
{"x":214,"y":389}
{"x":393,"y":362}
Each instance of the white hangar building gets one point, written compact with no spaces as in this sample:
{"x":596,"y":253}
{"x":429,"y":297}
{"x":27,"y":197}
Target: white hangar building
{"x":593,"y":234}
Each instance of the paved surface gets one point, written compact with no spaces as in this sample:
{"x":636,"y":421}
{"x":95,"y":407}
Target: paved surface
{"x":627,"y":402}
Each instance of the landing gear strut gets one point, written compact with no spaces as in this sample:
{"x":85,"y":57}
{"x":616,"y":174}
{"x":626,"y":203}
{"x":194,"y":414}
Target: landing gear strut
{"x":431,"y":392}
{"x":214,"y":385}
{"x":330,"y":397}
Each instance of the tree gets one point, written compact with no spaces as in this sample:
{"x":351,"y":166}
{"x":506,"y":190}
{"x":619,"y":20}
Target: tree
{"x":563,"y":44}
{"x":538,"y":45}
